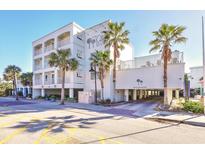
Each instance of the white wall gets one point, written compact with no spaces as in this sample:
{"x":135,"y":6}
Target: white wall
{"x":195,"y":73}
{"x":152,"y":77}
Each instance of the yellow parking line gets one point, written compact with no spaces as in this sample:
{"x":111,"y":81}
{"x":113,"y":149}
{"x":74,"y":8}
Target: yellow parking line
{"x":44,"y":134}
{"x":14,"y":133}
{"x":9,"y":137}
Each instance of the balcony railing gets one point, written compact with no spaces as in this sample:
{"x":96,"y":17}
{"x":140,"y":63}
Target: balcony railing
{"x":37,"y":52}
{"x":131,"y":64}
{"x":49,"y":48}
{"x":63,"y":42}
{"x":46,"y":65}
{"x":38,"y":82}
{"x":49,"y":81}
{"x":37,"y":67}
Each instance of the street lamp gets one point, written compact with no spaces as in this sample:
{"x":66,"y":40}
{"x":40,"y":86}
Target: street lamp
{"x":94,"y":71}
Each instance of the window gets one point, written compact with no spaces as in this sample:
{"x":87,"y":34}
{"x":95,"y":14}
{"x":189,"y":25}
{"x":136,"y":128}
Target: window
{"x":79,"y":54}
{"x":79,"y":74}
{"x":52,"y":76}
{"x":46,"y":77}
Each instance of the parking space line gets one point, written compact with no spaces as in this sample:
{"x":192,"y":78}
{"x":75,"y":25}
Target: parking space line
{"x":16,"y":132}
{"x":13,"y":134}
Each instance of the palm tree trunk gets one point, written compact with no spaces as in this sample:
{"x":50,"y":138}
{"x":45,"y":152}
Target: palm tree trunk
{"x":63,"y":87}
{"x":102,"y":86}
{"x":114,"y":74}
{"x":165,"y":79}
{"x":17,"y":98}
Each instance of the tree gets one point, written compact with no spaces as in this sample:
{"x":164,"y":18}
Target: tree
{"x":5,"y":88}
{"x":116,"y":37}
{"x":102,"y":60}
{"x":165,"y":38}
{"x":27,"y":79}
{"x":11,"y":73}
{"x":62,"y":60}
{"x":186,"y":84}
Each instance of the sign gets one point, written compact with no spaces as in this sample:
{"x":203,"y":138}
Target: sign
{"x":95,"y":41}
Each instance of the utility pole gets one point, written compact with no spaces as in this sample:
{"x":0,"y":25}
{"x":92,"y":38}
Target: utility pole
{"x":203,"y":62}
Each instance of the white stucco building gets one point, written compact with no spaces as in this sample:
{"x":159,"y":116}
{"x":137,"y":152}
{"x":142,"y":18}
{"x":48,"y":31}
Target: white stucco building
{"x":140,"y":73}
{"x":196,"y":73}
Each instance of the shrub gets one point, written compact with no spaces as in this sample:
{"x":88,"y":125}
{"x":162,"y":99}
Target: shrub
{"x":69,"y":99}
{"x":29,"y":96}
{"x":52,"y":97}
{"x":20,"y":93}
{"x":108,"y":101}
{"x":195,"y":107}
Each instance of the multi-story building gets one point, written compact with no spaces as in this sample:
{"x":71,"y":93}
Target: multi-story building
{"x":195,"y":75}
{"x":82,"y":42}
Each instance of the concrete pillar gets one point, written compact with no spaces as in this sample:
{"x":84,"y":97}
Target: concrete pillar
{"x":169,"y":95}
{"x":145,"y":94}
{"x":134,"y":94}
{"x":56,"y":76}
{"x":177,"y":94}
{"x":43,"y":92}
{"x":126,"y":94}
{"x":141,"y":94}
{"x":71,"y":93}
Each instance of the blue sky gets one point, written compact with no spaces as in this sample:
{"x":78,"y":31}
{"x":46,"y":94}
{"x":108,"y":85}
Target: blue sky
{"x":19,"y":28}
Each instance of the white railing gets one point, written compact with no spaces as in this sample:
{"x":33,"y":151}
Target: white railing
{"x":130,"y":64}
{"x":37,"y":52}
{"x":47,"y":65}
{"x":63,"y":42}
{"x":38,"y":82}
{"x":37,"y":67}
{"x":49,"y":48}
{"x":49,"y":81}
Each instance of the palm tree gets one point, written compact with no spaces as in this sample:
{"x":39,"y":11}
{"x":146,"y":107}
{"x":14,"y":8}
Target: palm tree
{"x":102,"y":60}
{"x":11,"y":73}
{"x":165,"y":38}
{"x":116,"y":37}
{"x":62,"y":60}
{"x":27,"y":79}
{"x":186,"y":83}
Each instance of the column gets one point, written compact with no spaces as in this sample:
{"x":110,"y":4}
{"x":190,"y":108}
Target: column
{"x":71,"y":93}
{"x":43,"y":92}
{"x":126,"y":94}
{"x":177,"y":94}
{"x":169,"y":95}
{"x":134,"y":94}
{"x":145,"y":94}
{"x":56,"y":76}
{"x":141,"y":94}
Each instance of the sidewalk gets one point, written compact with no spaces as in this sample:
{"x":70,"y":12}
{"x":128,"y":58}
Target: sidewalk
{"x":185,"y":118}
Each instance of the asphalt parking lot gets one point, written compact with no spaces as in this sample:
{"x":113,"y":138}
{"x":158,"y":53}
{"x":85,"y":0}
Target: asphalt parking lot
{"x":44,"y":123}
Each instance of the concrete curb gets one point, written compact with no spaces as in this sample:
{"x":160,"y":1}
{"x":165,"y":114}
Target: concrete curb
{"x":193,"y":123}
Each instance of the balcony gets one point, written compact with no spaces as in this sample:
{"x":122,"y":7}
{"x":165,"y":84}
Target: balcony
{"x":46,"y":62}
{"x":63,"y":39}
{"x":49,"y":45}
{"x":38,"y":64}
{"x":38,"y":50}
{"x":150,"y":61}
{"x":49,"y":78}
{"x":38,"y":79}
{"x":37,"y":67}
